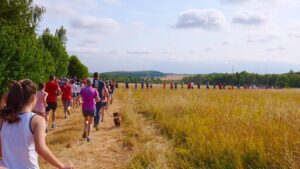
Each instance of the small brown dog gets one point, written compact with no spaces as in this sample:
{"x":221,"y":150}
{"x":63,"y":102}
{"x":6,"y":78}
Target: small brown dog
{"x":117,"y":119}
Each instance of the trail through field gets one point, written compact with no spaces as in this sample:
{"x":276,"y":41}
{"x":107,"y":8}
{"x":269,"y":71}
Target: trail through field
{"x":105,"y":151}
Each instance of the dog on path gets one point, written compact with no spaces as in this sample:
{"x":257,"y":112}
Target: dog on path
{"x":117,"y":119}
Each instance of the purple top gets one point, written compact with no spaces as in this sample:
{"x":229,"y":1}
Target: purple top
{"x":88,"y":95}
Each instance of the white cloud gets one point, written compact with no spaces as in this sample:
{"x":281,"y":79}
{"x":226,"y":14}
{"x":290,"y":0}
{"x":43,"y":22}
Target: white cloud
{"x":250,"y":18}
{"x":226,"y":42}
{"x":106,"y":25}
{"x":208,"y":49}
{"x":84,"y":50}
{"x":139,"y":52}
{"x":206,"y":19}
{"x":234,"y":1}
{"x":280,"y":2}
{"x":137,"y":24}
{"x":112,"y":1}
{"x":274,"y":49}
{"x":293,"y":28}
{"x":261,"y":39}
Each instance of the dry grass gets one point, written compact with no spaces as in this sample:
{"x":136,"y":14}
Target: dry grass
{"x":148,"y":147}
{"x":205,"y":129}
{"x":223,"y":129}
{"x":106,"y":151}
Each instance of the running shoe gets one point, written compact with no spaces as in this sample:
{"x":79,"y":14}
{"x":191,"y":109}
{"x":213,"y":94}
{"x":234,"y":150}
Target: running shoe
{"x":53,"y":126}
{"x":88,"y":139}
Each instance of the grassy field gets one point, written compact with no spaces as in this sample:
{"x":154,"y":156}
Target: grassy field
{"x":219,"y":129}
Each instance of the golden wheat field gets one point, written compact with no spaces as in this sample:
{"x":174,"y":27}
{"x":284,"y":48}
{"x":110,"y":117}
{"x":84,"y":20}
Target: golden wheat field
{"x":187,"y":129}
{"x":213,"y":129}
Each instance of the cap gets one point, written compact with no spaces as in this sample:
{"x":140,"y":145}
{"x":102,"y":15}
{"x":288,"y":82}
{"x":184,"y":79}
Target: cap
{"x":89,"y":81}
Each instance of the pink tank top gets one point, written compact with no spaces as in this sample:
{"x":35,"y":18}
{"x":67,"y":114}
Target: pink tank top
{"x":40,"y":105}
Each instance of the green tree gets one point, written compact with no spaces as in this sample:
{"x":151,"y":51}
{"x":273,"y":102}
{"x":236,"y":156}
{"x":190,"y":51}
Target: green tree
{"x":20,"y":53}
{"x":76,"y":68}
{"x":58,"y":52}
{"x":61,"y":34}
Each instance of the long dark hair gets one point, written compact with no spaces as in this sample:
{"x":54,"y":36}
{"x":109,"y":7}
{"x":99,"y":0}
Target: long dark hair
{"x":19,"y":95}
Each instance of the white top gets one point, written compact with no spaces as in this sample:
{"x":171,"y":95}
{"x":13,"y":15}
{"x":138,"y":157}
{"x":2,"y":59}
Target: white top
{"x":17,"y":142}
{"x":74,"y":90}
{"x":77,"y":88}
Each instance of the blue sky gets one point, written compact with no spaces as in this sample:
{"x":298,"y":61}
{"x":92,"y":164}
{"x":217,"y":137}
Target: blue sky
{"x":180,"y":36}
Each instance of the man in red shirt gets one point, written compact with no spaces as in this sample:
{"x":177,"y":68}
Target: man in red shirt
{"x":66,"y":97}
{"x":53,"y":90}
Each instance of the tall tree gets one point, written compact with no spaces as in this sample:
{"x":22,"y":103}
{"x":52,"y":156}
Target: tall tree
{"x":76,"y":68}
{"x":57,"y":51}
{"x":20,"y":53}
{"x":61,"y":34}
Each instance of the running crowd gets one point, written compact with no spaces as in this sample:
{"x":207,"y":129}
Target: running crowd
{"x":191,"y":85}
{"x":25,"y":110}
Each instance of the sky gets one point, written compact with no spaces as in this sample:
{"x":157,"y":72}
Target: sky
{"x":179,"y":36}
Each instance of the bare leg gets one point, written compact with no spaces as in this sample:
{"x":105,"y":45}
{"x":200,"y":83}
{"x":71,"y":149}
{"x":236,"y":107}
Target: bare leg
{"x":53,"y":119}
{"x":47,"y":119}
{"x":90,"y":125}
{"x":85,"y":127}
{"x":68,"y":110}
{"x":102,"y":114}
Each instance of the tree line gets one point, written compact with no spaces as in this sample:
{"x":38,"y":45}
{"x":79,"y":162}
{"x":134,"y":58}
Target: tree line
{"x":286,"y":80}
{"x":129,"y":78}
{"x":25,"y":54}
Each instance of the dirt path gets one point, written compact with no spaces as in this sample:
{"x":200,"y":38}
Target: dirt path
{"x":104,"y":152}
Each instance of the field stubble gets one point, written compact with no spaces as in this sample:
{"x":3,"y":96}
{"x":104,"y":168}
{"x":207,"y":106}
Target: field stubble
{"x":243,"y":129}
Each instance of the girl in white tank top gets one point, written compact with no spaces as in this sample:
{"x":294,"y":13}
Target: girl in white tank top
{"x":17,"y":142}
{"x":22,"y":133}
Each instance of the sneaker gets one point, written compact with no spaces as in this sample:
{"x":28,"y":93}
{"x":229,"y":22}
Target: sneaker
{"x":53,"y":126}
{"x":97,"y":128}
{"x":65,"y":117}
{"x":88,"y":139}
{"x":84,"y":135}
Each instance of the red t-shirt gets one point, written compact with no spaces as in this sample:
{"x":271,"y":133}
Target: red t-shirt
{"x":67,"y":93}
{"x":51,"y":88}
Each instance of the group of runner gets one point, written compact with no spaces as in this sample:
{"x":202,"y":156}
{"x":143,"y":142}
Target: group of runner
{"x":191,"y":85}
{"x":25,"y":112}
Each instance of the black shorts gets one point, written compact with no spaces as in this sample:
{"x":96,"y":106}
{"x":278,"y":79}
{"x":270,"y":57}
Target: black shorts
{"x":51,"y":106}
{"x":88,"y":113}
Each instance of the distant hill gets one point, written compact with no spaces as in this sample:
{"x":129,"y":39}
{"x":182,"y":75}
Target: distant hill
{"x":140,"y":74}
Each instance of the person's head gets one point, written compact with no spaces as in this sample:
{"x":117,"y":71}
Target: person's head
{"x":89,"y":82}
{"x":20,"y":96}
{"x":67,"y":81}
{"x":41,"y":86}
{"x":96,"y":76}
{"x":51,"y":77}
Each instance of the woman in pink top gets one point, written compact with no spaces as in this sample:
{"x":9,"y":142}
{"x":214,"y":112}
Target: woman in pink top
{"x":41,"y":103}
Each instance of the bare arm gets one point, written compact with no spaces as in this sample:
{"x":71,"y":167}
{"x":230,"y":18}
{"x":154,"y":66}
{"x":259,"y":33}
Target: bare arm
{"x":38,"y":126}
{"x":106,"y":93}
{"x":45,"y":99}
{"x":97,"y":99}
{"x":58,"y":90}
